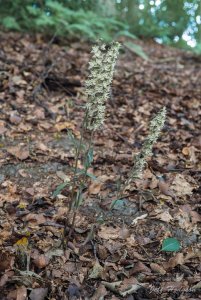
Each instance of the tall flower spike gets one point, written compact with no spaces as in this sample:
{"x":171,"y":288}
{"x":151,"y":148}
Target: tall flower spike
{"x":155,"y":128}
{"x":97,"y":86}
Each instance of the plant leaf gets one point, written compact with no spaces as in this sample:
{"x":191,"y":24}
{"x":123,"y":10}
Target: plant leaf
{"x":170,"y":245}
{"x":126,"y":33}
{"x":137,"y":49}
{"x":59,"y":189}
{"x":89,"y":158}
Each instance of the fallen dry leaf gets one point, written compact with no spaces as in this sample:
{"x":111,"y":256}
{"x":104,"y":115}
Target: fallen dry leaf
{"x":190,"y":152}
{"x":65,"y":125}
{"x":5,"y":277}
{"x":195,"y":217}
{"x":97,"y":271}
{"x":164,"y":216}
{"x":164,"y":188}
{"x":108,"y":232}
{"x":41,"y":261}
{"x":178,"y":259}
{"x":42,"y":147}
{"x":100,"y":293}
{"x":38,"y":294}
{"x":14,"y":118}
{"x":6,"y":261}
{"x":128,"y":286}
{"x":73,"y":291}
{"x":35,"y":218}
{"x":140,"y":268}
{"x":21,"y":293}
{"x":21,"y":152}
{"x":124,"y":233}
{"x":157,"y":269}
{"x":95,"y":186}
{"x":181,"y":186}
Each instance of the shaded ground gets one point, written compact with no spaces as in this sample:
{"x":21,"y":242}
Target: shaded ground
{"x":41,"y":97}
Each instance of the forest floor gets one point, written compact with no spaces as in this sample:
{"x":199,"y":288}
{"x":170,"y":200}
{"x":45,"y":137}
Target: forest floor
{"x":41,"y":98}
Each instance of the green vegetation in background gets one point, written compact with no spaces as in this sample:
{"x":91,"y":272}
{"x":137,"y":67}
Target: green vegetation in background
{"x":69,"y":18}
{"x":171,"y":22}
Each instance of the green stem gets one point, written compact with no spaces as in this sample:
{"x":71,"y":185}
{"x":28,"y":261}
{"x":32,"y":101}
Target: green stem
{"x":82,"y":183}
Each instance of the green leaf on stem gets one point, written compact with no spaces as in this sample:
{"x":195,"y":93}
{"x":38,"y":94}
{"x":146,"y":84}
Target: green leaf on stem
{"x":59,"y":189}
{"x":82,"y":172}
{"x":89,"y":158}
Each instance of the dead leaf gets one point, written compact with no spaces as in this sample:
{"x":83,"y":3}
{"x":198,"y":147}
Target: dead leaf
{"x":181,"y":186}
{"x":197,"y":286}
{"x":184,"y":221}
{"x":35,"y":218}
{"x":63,"y":176}
{"x":165,"y":188}
{"x":18,"y":80}
{"x":73,"y":291}
{"x":192,"y":253}
{"x":5,"y":277}
{"x":123,"y":288}
{"x":42,"y":147}
{"x":164,"y":216}
{"x":124,"y":233}
{"x":95,"y":187}
{"x":23,"y":173}
{"x":39,"y":113}
{"x":112,"y":286}
{"x":157,"y":269}
{"x":97,"y":271}
{"x":38,"y":294}
{"x":6,"y":261}
{"x":190,"y":152}
{"x":178,"y":259}
{"x":4,"y":235}
{"x":108,"y":232}
{"x":21,"y":152}
{"x":100,"y":293}
{"x":140,"y":268}
{"x":41,"y":261}
{"x":14,"y":118}
{"x":185,"y":151}
{"x":2,"y":128}
{"x":195,"y":217}
{"x":65,"y":125}
{"x":22,"y":243}
{"x":19,"y":294}
{"x":128,"y":286}
{"x":138,"y":256}
{"x":24,"y":127}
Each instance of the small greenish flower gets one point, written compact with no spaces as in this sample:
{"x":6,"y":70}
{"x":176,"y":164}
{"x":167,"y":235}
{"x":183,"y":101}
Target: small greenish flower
{"x":97,"y":86}
{"x":155,"y":128}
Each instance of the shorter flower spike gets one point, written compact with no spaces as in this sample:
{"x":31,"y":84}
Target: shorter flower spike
{"x":155,"y":128}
